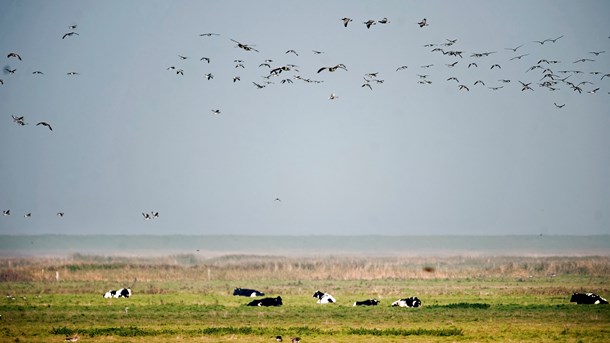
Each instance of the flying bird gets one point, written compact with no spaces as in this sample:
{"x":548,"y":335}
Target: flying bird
{"x":19,"y":120}
{"x":292,"y":51}
{"x":525,"y":86}
{"x":368,"y":23}
{"x":423,"y":23}
{"x":27,"y":215}
{"x":37,"y":72}
{"x":596,"y":53}
{"x":207,"y":59}
{"x":518,"y":57}
{"x":558,"y":106}
{"x":215,"y":111}
{"x":244,"y":46}
{"x":60,"y":214}
{"x":44,"y":123}
{"x":14,"y":54}
{"x":383,"y":21}
{"x":69,"y":34}
{"x":332,"y":69}
{"x":401,"y":68}
{"x":9,"y":70}
{"x":584,"y":60}
{"x":72,"y":73}
{"x":514,"y":49}
{"x":209,"y":34}
{"x":209,"y":76}
{"x":6,"y":212}
{"x":346,"y":21}
{"x":333,"y":96}
{"x":553,"y":40}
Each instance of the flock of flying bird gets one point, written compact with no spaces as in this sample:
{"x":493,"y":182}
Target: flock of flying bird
{"x":551,"y":78}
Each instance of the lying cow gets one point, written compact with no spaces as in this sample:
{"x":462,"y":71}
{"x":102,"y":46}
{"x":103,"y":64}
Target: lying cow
{"x":266,"y":302}
{"x":369,"y":302}
{"x":587,"y":298}
{"x":324,"y":298}
{"x":245,"y":292}
{"x":120,"y":293}
{"x":407,"y":302}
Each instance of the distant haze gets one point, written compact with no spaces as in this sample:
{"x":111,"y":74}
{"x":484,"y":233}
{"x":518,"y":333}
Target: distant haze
{"x":412,"y":144}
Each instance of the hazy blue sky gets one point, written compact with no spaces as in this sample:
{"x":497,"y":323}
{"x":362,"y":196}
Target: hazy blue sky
{"x":130,"y":136}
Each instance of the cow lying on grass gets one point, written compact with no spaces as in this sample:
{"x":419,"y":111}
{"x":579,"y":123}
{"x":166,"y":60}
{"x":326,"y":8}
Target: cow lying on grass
{"x":587,"y":298}
{"x":407,"y":302}
{"x":266,"y":302}
{"x":246,"y":292}
{"x":369,"y":302}
{"x":120,"y":293}
{"x":324,"y":298}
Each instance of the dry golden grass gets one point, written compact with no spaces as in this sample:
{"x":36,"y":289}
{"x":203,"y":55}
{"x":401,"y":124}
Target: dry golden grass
{"x":254,"y":267}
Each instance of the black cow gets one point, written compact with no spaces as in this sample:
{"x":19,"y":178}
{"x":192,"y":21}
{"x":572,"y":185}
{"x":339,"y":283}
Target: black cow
{"x":587,"y":298}
{"x":266,"y":302}
{"x":407,"y":302}
{"x":245,"y":292}
{"x":369,"y":302}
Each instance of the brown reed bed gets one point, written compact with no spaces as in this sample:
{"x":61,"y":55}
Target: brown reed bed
{"x":79,"y":267}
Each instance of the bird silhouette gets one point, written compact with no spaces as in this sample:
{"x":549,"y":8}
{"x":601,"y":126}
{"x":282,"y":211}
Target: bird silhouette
{"x":69,"y":34}
{"x":14,"y":54}
{"x":43,"y":123}
{"x":514,"y":49}
{"x":332,"y":69}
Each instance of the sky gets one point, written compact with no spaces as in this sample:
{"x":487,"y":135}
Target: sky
{"x":417,"y":153}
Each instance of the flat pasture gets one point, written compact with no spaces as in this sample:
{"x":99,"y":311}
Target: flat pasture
{"x":185,"y":298}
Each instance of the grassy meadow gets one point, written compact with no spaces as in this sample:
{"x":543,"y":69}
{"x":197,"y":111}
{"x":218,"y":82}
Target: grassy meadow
{"x":189,"y":298}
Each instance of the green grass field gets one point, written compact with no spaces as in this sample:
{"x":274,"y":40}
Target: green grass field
{"x":190,"y":300}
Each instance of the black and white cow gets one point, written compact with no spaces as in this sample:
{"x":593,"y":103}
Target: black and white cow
{"x":369,"y":302}
{"x":245,"y":292}
{"x":324,"y":298}
{"x":120,"y":293}
{"x":266,"y":302}
{"x":587,"y":298}
{"x":407,"y":302}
